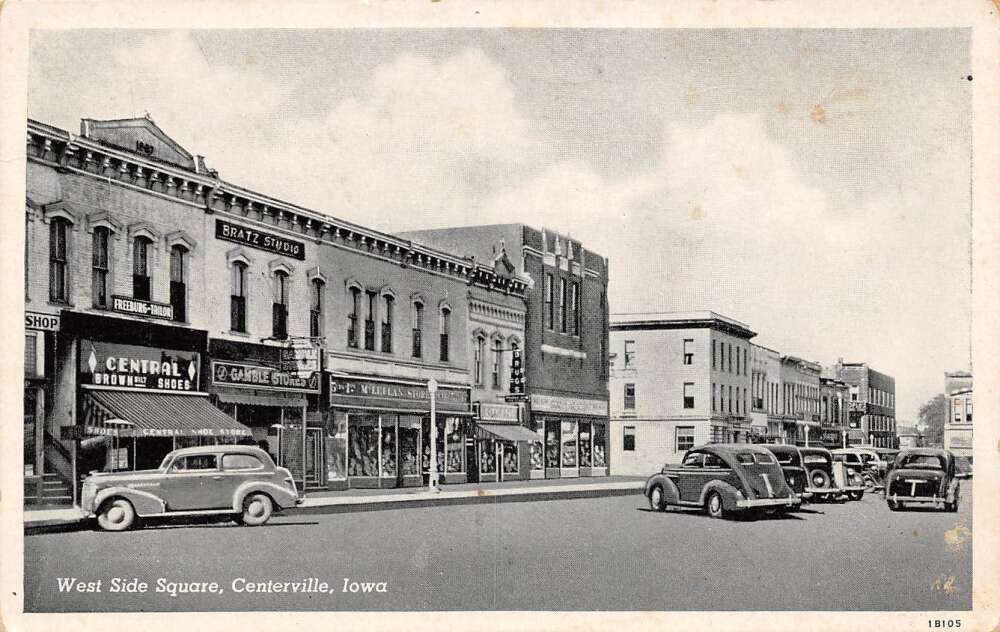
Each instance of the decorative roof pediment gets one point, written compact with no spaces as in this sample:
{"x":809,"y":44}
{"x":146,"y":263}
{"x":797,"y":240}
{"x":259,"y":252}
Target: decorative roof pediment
{"x":140,"y":136}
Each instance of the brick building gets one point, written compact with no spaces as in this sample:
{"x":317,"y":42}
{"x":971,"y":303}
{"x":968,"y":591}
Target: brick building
{"x":958,"y":426}
{"x":872,"y":404}
{"x":766,"y":421}
{"x":566,"y":338}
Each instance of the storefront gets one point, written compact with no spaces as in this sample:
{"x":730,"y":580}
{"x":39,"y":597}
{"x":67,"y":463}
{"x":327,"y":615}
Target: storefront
{"x":249,"y":382}
{"x":575,"y":432}
{"x":378,"y":432}
{"x":502,"y":450}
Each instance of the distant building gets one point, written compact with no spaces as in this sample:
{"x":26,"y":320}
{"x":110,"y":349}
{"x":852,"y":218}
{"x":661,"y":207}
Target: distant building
{"x":958,"y":425}
{"x":909,"y":437}
{"x":800,"y":401}
{"x":678,"y":380}
{"x":766,"y":421}
{"x":834,"y":395}
{"x":872,"y":404}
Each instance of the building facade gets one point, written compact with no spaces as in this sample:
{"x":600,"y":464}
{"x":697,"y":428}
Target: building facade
{"x":766,"y":420}
{"x":677,"y":380}
{"x":157,"y":293}
{"x":834,"y":427}
{"x":872,"y":404}
{"x":565,"y":344}
{"x":958,"y":425}
{"x":800,"y":401}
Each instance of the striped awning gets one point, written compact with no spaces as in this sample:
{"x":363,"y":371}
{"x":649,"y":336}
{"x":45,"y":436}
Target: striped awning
{"x":155,"y":415}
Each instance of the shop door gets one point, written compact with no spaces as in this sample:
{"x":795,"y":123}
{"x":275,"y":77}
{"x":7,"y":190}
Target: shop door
{"x":472,"y":461}
{"x":291,"y":455}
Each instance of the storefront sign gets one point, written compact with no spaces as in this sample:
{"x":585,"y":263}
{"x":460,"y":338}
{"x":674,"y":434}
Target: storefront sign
{"x":367,"y":393}
{"x":132,"y":366}
{"x":251,"y":376}
{"x":45,"y":322}
{"x":260,"y":239}
{"x":138,"y":307}
{"x":569,"y":405}
{"x":498,"y":413}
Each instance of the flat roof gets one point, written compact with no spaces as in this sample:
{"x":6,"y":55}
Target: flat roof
{"x":698,"y":319}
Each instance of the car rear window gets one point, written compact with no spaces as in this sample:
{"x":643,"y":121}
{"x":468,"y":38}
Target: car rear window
{"x":764,"y":458}
{"x":241,"y":462}
{"x":784,"y":459}
{"x":814,"y":458}
{"x":744,"y":457}
{"x":922,"y":461}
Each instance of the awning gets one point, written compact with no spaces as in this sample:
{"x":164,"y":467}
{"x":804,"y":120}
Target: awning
{"x":155,"y":415}
{"x":510,"y":432}
{"x":255,"y":398}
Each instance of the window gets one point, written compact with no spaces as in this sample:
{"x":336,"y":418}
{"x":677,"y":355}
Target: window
{"x":238,"y":298}
{"x":195,"y":462}
{"x":684,"y":440}
{"x":445,"y":326}
{"x":713,"y":397}
{"x":241,"y":462}
{"x":387,"y":305}
{"x":370,"y":321}
{"x":497,"y":362}
{"x":30,"y":357}
{"x":140,"y":268}
{"x":99,"y":290}
{"x":628,"y":439}
{"x":316,"y":308}
{"x":730,"y":399}
{"x":713,"y":355}
{"x":562,"y":305}
{"x":477,"y":360}
{"x":353,"y":317}
{"x":574,"y":308}
{"x":688,"y":395}
{"x":713,"y":461}
{"x":968,"y":409}
{"x":548,"y":302}
{"x":744,"y":362}
{"x":688,"y":351}
{"x":418,"y":329}
{"x":630,"y":354}
{"x":58,"y":261}
{"x":957,"y":406}
{"x":629,"y":396}
{"x":730,"y":358}
{"x":279,"y":311}
{"x":178,"y":287}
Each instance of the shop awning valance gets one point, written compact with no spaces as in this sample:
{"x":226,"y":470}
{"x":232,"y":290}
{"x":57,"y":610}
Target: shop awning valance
{"x":510,"y":432}
{"x":155,"y":415}
{"x":255,"y":398}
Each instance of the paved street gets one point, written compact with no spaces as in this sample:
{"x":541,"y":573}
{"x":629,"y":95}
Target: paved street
{"x":581,"y":554}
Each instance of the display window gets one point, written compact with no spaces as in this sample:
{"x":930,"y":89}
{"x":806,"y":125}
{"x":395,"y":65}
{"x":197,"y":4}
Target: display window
{"x":585,"y":444}
{"x":409,"y":439}
{"x":600,"y":440}
{"x":487,"y":456}
{"x":336,"y":447}
{"x":425,"y":451}
{"x":509,"y":457}
{"x":537,"y":455}
{"x":363,"y":442}
{"x":455,"y":430}
{"x":569,"y":444}
{"x":552,"y":444}
{"x":388,"y":455}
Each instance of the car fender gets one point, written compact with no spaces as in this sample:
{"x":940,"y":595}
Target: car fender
{"x":952,"y":490}
{"x":282,"y":496}
{"x":145,"y":503}
{"x":729,"y":494}
{"x":671,"y":495}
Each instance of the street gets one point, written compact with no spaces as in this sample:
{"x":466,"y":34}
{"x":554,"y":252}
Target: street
{"x":581,"y":554}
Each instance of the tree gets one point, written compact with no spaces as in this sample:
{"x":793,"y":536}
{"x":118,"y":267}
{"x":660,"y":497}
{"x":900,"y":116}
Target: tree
{"x":933,"y":415}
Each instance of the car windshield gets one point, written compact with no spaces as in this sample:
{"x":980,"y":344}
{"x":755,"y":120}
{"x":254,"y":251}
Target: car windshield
{"x":764,"y":458}
{"x":165,"y":463}
{"x":921,"y":462}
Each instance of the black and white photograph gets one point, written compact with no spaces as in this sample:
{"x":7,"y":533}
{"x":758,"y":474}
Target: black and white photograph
{"x":610,"y":317}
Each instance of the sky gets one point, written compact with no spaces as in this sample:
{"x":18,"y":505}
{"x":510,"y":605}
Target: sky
{"x":813,"y":184}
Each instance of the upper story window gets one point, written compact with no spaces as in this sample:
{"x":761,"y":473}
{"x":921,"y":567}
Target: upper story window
{"x":497,"y":362}
{"x":354,"y":318}
{"x":141,"y":286}
{"x":628,"y":439}
{"x":371,"y":298}
{"x":629,"y":396}
{"x":730,"y":358}
{"x":279,"y":312}
{"x":479,"y":344}
{"x":688,"y":351}
{"x":59,"y":260}
{"x":574,"y":308}
{"x":178,"y":286}
{"x":101,"y":266}
{"x":744,"y":362}
{"x":445,"y":332}
{"x":630,"y":354}
{"x":713,"y":355}
{"x":418,"y":329}
{"x":562,"y":305}
{"x":317,"y":290}
{"x":737,"y":360}
{"x":238,"y":297}
{"x":688,"y":395}
{"x":968,"y":410}
{"x":387,"y":315}
{"x":548,"y":302}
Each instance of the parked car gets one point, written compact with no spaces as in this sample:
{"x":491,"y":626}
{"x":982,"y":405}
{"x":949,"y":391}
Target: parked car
{"x":923,"y":475}
{"x":864,"y":466}
{"x":828,"y":478}
{"x":790,"y":460}
{"x":238,"y":480}
{"x":723,"y":478}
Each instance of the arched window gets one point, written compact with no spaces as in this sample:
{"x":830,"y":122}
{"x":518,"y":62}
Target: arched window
{"x":101,"y":267}
{"x":316,"y":308}
{"x":59,"y":260}
{"x":478,"y":349}
{"x":418,"y":329}
{"x":238,"y":298}
{"x":279,"y":311}
{"x":141,"y":286}
{"x":387,"y":304}
{"x":353,"y":318}
{"x":445,"y":331}
{"x":497,"y":362}
{"x":178,"y":283}
{"x":372,"y":298}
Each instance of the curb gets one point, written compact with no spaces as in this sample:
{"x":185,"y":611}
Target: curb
{"x":385,"y":503}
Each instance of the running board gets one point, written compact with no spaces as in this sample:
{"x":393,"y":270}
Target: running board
{"x":202,"y":512}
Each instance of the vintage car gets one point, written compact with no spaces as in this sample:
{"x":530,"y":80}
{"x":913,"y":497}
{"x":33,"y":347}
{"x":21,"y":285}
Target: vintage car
{"x":790,"y":460}
{"x":923,"y":475}
{"x":238,"y":480}
{"x":827,"y":477}
{"x":864,"y":466}
{"x":723,"y":478}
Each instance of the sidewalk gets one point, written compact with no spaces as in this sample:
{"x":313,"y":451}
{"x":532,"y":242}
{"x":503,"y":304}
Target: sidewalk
{"x":42,"y":519}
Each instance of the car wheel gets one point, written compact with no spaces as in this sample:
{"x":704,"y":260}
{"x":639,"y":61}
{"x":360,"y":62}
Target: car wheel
{"x":713,"y":505}
{"x":858,"y":495}
{"x":819,"y":478}
{"x":952,"y":507}
{"x":893,"y":505}
{"x":656,"y":499}
{"x":257,"y":509}
{"x":116,"y":515}
{"x":869,"y":483}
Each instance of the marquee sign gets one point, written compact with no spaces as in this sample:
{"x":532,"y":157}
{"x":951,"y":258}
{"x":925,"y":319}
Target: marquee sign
{"x":260,"y":239}
{"x":253,"y":376}
{"x":132,"y":366}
